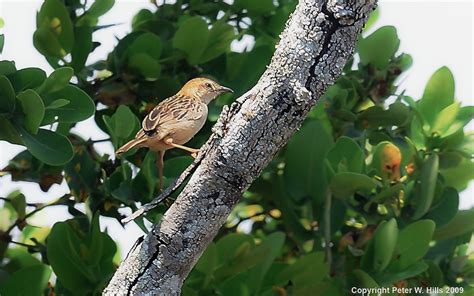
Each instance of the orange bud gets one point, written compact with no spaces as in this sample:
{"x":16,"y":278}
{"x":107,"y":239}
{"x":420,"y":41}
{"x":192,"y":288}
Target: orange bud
{"x":390,"y":160}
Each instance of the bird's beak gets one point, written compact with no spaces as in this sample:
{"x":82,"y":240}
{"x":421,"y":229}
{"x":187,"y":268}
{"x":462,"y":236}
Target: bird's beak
{"x":224,"y":89}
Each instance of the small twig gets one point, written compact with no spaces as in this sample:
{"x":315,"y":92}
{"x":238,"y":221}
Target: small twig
{"x":168,"y":191}
{"x":23,"y":244}
{"x":39,"y":208}
{"x":99,"y":141}
{"x":28,"y":204}
{"x":155,"y":2}
{"x":89,"y":142}
{"x":66,"y":63}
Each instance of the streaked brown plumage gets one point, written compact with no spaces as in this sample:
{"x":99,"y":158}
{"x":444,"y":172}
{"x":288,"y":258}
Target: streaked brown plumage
{"x":174,"y":121}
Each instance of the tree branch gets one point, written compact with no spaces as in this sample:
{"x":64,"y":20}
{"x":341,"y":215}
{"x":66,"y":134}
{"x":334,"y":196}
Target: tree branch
{"x":317,"y":41}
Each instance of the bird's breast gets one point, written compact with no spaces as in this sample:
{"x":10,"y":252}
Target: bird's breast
{"x":183,"y":131}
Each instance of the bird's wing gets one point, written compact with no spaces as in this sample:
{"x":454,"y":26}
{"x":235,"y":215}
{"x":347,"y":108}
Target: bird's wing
{"x":173,"y":109}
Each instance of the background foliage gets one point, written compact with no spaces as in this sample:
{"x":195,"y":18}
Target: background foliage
{"x":365,"y":194}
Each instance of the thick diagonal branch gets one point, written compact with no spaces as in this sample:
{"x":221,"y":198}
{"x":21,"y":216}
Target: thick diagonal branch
{"x":317,"y":41}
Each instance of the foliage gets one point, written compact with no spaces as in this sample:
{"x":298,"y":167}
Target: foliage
{"x":365,"y":194}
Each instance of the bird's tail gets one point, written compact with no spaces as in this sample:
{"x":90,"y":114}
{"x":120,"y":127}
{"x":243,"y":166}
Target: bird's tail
{"x":129,"y":145}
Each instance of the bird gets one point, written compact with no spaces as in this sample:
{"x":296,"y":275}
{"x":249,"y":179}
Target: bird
{"x":175,"y":120}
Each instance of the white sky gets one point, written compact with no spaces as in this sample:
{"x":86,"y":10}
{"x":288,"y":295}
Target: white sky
{"x":435,"y":33}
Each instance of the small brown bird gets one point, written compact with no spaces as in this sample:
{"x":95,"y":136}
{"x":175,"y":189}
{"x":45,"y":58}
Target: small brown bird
{"x":174,"y":121}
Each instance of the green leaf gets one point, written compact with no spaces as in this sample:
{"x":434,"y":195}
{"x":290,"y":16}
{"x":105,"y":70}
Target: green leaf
{"x":100,"y":7}
{"x":91,"y":17}
{"x":142,"y":16}
{"x":346,"y":154}
{"x":429,"y":175}
{"x":146,"y":65}
{"x":30,"y":280}
{"x":373,"y":17}
{"x":80,"y":106}
{"x":364,"y":280}
{"x":257,"y":259}
{"x":147,"y":43}
{"x":191,"y":37}
{"x":122,"y":124}
{"x":371,"y":51}
{"x":124,"y":120}
{"x":7,"y":96}
{"x":435,"y":274}
{"x":96,"y":244}
{"x":54,"y":17}
{"x":146,"y":180}
{"x":256,"y":7}
{"x":18,"y":202}
{"x":47,"y":44}
{"x":81,"y":173}
{"x":57,"y":104}
{"x":446,"y":209}
{"x":344,"y":185}
{"x":208,"y":261}
{"x":27,"y":78}
{"x":83,"y":46}
{"x":235,"y":286}
{"x":411,"y":271}
{"x":57,"y":80}
{"x":33,"y":109}
{"x":416,"y":133}
{"x":461,"y":224}
{"x":232,"y":245}
{"x":20,"y":258}
{"x":450,"y":159}
{"x":221,"y":36}
{"x":438,"y":94}
{"x":2,"y":42}
{"x":307,"y":269}
{"x":7,"y":67}
{"x":384,"y":244}
{"x":459,"y":176}
{"x":48,"y":146}
{"x":176,"y":165}
{"x":399,"y":113}
{"x":304,"y":170}
{"x":291,"y":220}
{"x":405,"y":61}
{"x":396,"y":115}
{"x":119,"y":54}
{"x":413,"y":243}
{"x":81,"y":255}
{"x":64,"y":254}
{"x":445,"y":118}
{"x":25,"y":167}
{"x":268,"y":249}
{"x":8,"y":132}
{"x":244,"y":69}
{"x":465,"y":115}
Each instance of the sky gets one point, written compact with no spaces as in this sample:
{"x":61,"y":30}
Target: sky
{"x":435,"y":33}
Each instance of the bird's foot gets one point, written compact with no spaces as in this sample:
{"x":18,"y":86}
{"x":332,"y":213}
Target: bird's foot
{"x":195,"y":153}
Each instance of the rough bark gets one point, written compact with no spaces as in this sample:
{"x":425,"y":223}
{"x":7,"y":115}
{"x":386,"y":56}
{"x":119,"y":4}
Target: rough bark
{"x":316,"y":43}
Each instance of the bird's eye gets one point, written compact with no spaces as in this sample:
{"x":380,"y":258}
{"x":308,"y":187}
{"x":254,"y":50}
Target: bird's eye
{"x":208,"y":85}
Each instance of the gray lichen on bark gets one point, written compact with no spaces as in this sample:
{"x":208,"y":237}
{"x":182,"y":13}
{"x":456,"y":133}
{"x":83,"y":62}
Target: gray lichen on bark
{"x":316,"y":43}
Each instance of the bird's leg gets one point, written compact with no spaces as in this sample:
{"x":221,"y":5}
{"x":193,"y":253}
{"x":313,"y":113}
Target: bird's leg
{"x":193,"y":151}
{"x":159,"y":164}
